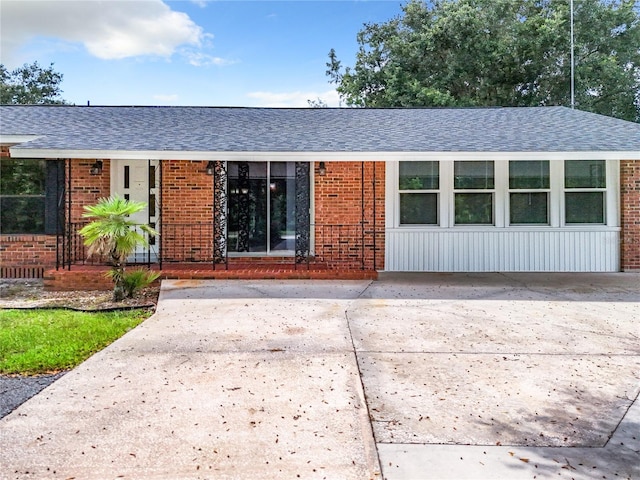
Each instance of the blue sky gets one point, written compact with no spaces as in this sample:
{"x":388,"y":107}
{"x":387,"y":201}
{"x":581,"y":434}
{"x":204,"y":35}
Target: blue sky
{"x":153,"y":52}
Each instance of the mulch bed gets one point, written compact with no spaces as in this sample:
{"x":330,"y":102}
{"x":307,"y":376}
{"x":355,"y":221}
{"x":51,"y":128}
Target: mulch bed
{"x":30,"y":293}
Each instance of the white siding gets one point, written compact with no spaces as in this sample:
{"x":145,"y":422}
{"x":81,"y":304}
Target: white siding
{"x":551,"y":250}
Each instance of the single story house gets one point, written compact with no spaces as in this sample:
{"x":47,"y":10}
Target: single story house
{"x":541,"y":189}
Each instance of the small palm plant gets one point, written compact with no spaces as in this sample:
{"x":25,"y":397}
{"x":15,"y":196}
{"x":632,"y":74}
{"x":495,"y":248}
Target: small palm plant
{"x":112,"y":235}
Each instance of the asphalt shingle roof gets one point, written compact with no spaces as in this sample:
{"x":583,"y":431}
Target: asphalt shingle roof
{"x":226,"y":129}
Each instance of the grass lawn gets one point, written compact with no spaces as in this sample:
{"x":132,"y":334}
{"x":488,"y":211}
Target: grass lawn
{"x":45,"y":341}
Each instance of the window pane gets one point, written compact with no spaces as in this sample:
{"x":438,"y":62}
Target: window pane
{"x":584,"y":207}
{"x":529,"y":174}
{"x":473,"y":175}
{"x":152,"y":176}
{"x":584,"y":174}
{"x":418,"y":208}
{"x":474,"y":208}
{"x":22,"y":214}
{"x":529,"y":208}
{"x":419,"y":176}
{"x":22,"y":177}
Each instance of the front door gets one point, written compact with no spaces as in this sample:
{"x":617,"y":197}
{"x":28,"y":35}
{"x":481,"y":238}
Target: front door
{"x":137,"y":180}
{"x":262,"y":207}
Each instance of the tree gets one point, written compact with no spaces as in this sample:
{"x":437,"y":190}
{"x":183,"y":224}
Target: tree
{"x":30,"y":84}
{"x":318,"y":103}
{"x":114,"y":236}
{"x":498,"y":53}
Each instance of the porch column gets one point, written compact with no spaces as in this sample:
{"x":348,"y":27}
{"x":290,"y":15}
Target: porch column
{"x":219,"y":213}
{"x":303,"y":216}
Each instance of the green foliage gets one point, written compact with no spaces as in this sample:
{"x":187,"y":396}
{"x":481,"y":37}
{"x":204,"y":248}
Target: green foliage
{"x":113,"y":236}
{"x":414,"y":183}
{"x":30,"y":84}
{"x":44,"y":341}
{"x":318,"y":103}
{"x":498,"y":53}
{"x":134,"y":281}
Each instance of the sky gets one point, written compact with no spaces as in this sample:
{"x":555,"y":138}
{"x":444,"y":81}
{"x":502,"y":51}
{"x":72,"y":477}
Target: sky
{"x":191,"y":52}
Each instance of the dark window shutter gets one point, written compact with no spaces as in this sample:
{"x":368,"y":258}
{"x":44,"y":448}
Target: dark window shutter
{"x":54,"y":197}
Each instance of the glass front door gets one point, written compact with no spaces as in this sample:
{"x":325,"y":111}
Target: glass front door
{"x":262,"y":207}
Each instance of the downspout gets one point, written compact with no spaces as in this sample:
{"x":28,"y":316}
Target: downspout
{"x":149,"y":215}
{"x":159,"y":219}
{"x":375,"y":231}
{"x":362,"y":216}
{"x":69,"y":225}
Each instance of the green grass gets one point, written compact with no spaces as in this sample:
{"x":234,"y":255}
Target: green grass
{"x":45,"y":341}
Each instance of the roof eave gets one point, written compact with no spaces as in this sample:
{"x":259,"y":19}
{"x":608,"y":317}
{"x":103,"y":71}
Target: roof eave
{"x":17,"y":139}
{"x":18,"y":152}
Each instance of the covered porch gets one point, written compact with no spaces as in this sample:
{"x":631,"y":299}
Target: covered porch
{"x":221,"y":219}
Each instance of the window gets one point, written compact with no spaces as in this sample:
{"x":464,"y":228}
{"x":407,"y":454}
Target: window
{"x":419,"y":184}
{"x":585,"y":185}
{"x":473,"y":185}
{"x":29,"y":191}
{"x":529,"y":186}
{"x":534,"y":194}
{"x":262,"y":207}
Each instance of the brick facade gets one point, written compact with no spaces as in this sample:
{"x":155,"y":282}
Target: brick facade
{"x":28,"y":256}
{"x":348,"y":216}
{"x":630,"y":209}
{"x":87,"y":189}
{"x":186,"y":212}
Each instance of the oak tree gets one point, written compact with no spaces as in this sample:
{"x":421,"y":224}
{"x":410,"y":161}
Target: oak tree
{"x":30,"y":84}
{"x":498,"y":53}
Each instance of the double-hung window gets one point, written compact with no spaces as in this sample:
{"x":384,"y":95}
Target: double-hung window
{"x":419,"y":187}
{"x":500,"y":194}
{"x":474,"y":188}
{"x":529,"y":188}
{"x":585,"y":185}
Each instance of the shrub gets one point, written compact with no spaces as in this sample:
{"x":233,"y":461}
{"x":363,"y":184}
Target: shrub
{"x":135,"y":280}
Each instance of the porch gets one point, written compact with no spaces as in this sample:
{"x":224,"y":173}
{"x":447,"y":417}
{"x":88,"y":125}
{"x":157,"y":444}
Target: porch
{"x":91,"y":277}
{"x":192,"y":251}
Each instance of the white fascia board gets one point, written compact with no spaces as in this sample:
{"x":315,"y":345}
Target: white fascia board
{"x":18,"y":152}
{"x":17,"y":139}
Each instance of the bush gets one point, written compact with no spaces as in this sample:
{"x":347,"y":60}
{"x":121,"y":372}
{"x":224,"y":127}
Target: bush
{"x":136,"y":280}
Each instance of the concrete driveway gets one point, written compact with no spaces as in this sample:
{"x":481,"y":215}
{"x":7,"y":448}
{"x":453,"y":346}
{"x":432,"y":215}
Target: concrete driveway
{"x":413,"y":376}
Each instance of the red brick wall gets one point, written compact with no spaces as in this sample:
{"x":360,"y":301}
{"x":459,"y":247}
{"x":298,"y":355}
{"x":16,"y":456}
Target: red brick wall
{"x":187,"y":202}
{"x":87,"y":189}
{"x":630,"y":206}
{"x":340,"y":198}
{"x":27,"y":256}
{"x":79,"y":279}
{"x":187,"y":206}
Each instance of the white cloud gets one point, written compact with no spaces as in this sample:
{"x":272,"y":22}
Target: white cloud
{"x":200,"y":59}
{"x":111,"y":29}
{"x":294,"y":99}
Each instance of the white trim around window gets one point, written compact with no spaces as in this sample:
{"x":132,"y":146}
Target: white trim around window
{"x":550,"y":246}
{"x":501,"y":198}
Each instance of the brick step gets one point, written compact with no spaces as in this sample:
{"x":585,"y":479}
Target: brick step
{"x":93,"y":278}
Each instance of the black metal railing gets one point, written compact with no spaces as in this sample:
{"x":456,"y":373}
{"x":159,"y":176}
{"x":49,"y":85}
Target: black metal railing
{"x":334,"y":246}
